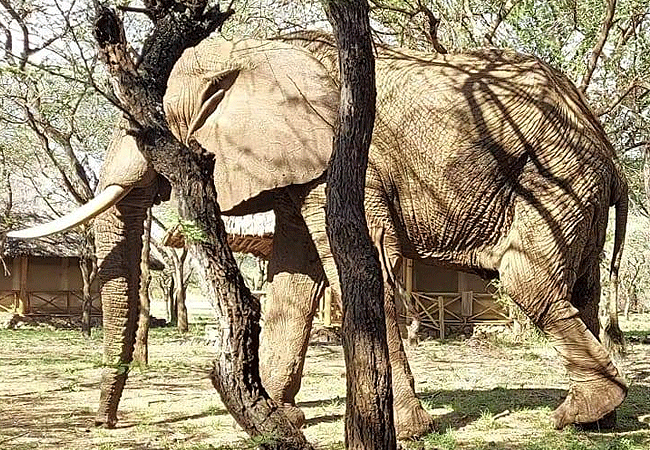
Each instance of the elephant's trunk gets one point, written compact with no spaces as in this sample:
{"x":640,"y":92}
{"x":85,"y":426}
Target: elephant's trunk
{"x":119,"y":245}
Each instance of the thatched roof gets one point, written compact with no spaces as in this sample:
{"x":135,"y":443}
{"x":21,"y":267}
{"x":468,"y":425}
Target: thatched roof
{"x":65,"y":245}
{"x":246,"y":234}
{"x":251,"y":234}
{"x":29,"y":211}
{"x":30,"y":208}
{"x":62,"y":245}
{"x":259,"y":224}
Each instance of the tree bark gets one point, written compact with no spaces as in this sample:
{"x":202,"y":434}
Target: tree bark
{"x":141,"y":350}
{"x":369,"y":407}
{"x":236,"y":369}
{"x":646,"y":174}
{"x":171,"y":301}
{"x":180,"y":290}
{"x":88,"y":268}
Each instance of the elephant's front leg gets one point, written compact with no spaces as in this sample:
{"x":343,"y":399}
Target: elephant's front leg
{"x":296,"y":281}
{"x":411,"y":420}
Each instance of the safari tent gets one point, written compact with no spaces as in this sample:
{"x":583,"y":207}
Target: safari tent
{"x":43,"y":277}
{"x":440,"y":297}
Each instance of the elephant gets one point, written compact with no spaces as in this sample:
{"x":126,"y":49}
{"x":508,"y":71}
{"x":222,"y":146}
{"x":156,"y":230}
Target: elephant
{"x":489,"y":162}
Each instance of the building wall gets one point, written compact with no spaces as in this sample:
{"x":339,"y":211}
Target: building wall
{"x":50,"y":286}
{"x":427,"y":278}
{"x":465,"y":298}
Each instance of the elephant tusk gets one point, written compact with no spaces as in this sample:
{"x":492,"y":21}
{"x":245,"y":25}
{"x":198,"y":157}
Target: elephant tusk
{"x":107,"y":198}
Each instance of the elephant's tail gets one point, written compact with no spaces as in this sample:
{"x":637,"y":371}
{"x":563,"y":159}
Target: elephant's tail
{"x":620,"y":202}
{"x":611,"y":334}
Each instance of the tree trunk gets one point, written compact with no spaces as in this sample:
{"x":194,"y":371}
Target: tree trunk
{"x":369,"y":407}
{"x":141,"y":352}
{"x":88,"y":267}
{"x":181,"y":309}
{"x":180,"y":290}
{"x":646,"y":174}
{"x":171,"y":301}
{"x":236,"y":369}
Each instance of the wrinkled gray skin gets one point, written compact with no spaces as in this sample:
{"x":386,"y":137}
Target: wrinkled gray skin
{"x":490,"y":163}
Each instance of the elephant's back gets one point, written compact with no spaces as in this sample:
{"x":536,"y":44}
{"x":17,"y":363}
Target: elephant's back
{"x":466,"y":140}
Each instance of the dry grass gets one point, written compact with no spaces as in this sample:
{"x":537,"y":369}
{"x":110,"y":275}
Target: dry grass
{"x":493,"y":394}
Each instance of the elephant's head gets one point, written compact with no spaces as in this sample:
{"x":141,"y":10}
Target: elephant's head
{"x":264,"y":109}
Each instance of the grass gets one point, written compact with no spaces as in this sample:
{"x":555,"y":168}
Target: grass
{"x":171,"y":404}
{"x":441,"y":441}
{"x":486,"y":421}
{"x":572,"y":440}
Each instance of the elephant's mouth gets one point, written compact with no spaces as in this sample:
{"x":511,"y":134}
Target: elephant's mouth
{"x":104,"y":200}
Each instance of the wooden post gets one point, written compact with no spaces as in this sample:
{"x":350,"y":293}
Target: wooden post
{"x":467,"y":301}
{"x":327,"y":307}
{"x":441,"y":316}
{"x":408,"y":282}
{"x":65,"y":282}
{"x":321,"y":307}
{"x":23,"y":297}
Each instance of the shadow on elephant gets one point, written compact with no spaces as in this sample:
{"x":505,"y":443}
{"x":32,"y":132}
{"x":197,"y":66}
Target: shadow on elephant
{"x":488,"y":162}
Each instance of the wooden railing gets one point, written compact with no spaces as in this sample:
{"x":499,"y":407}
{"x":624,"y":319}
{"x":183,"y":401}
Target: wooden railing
{"x":48,"y":302}
{"x":437,"y":309}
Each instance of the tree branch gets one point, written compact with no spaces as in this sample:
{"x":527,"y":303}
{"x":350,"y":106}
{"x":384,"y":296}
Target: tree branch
{"x":44,"y":130}
{"x":600,"y":44}
{"x":24,"y":30}
{"x":432,"y":32}
{"x":505,"y":9}
{"x":627,"y":91}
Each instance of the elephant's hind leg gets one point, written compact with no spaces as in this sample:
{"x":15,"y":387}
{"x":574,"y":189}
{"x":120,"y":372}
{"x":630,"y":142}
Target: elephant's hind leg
{"x":544,"y":294}
{"x":296,"y":280}
{"x":586,"y":298}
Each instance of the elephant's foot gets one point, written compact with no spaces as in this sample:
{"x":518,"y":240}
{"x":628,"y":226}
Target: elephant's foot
{"x":412,"y":422}
{"x":105,"y":423}
{"x":294,"y":414}
{"x":606,"y":423}
{"x":589,"y":402}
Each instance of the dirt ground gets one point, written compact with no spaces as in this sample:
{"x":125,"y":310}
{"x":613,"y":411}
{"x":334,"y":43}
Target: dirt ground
{"x":487,"y":393}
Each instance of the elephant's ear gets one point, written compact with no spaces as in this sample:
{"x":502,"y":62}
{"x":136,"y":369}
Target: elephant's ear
{"x":266,"y":110}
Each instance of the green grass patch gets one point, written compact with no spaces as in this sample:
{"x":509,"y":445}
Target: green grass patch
{"x":572,"y":440}
{"x":441,"y":441}
{"x":171,"y":333}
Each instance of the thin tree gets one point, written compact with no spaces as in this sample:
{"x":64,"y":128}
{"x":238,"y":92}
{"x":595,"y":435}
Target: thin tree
{"x":369,"y":406}
{"x":52,"y":123}
{"x":175,"y":253}
{"x":88,"y":267}
{"x":141,"y":350}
